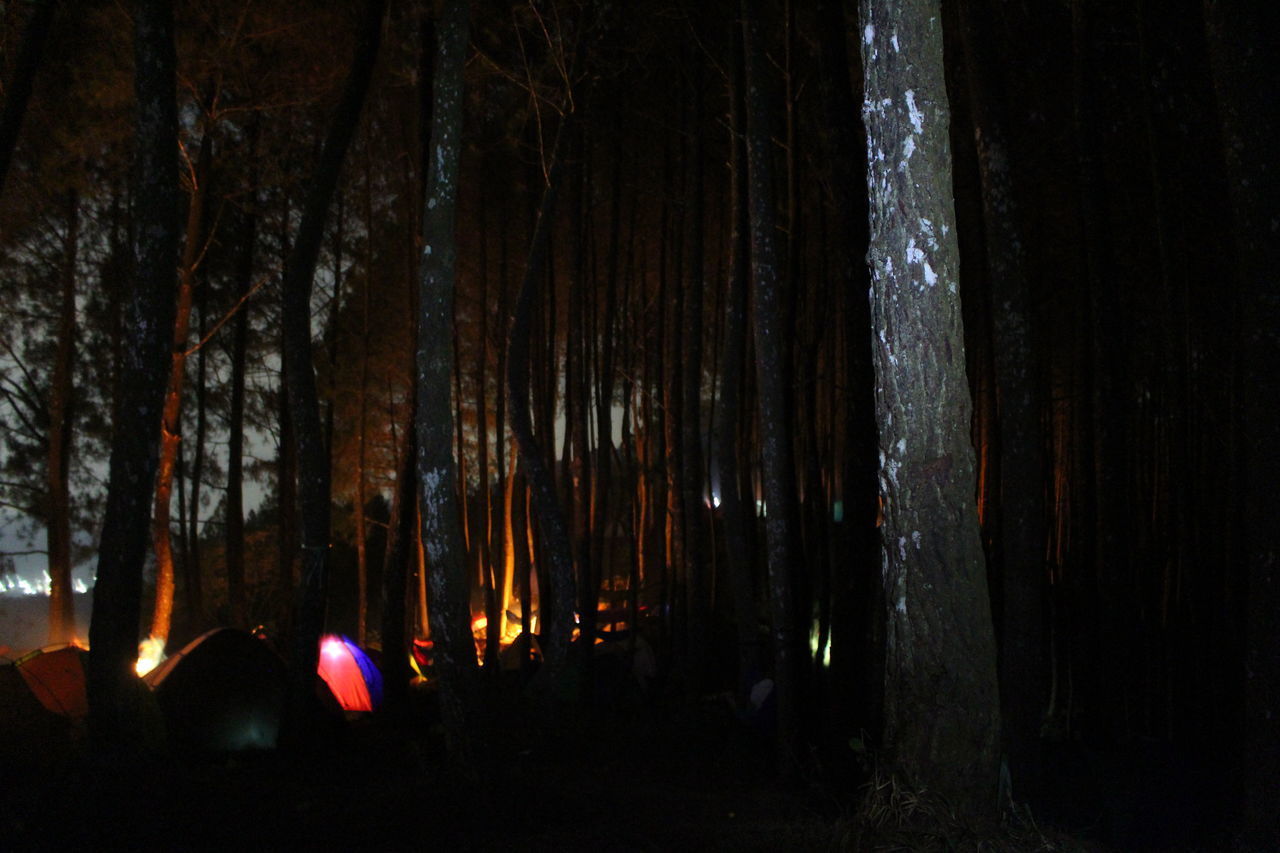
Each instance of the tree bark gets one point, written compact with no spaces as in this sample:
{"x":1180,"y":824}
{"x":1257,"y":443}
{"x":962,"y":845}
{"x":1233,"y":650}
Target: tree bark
{"x":304,"y":405}
{"x":171,"y":418}
{"x":454,"y":649}
{"x":693,"y":476}
{"x":1022,"y":661}
{"x":733,"y":509}
{"x":856,"y":643}
{"x":556,"y":599}
{"x":941,"y":705}
{"x":62,"y":613}
{"x":776,"y":446}
{"x":1242,"y":43}
{"x":402,"y":543}
{"x":18,"y":92}
{"x":113,"y":630}
{"x":246,"y":244}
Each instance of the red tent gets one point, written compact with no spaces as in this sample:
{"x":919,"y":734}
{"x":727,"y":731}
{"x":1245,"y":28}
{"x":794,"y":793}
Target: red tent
{"x":42,"y":707}
{"x":351,"y":676}
{"x":56,"y":677}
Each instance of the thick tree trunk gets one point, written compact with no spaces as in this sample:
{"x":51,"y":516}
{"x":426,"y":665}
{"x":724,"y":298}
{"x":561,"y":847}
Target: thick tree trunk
{"x":941,"y":705}
{"x":454,"y":650}
{"x":148,"y":327}
{"x":62,"y":614}
{"x":304,"y":405}
{"x":776,"y":446}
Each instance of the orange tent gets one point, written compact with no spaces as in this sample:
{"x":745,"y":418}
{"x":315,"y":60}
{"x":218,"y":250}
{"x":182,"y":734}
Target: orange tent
{"x":42,"y":706}
{"x":56,"y":676}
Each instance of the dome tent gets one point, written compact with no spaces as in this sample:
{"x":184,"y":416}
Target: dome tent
{"x":42,"y":706}
{"x":352,"y":678}
{"x":223,"y":692}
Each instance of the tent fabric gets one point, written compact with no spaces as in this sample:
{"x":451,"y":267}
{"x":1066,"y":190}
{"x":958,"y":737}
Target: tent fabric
{"x":56,"y":676}
{"x":223,"y":692}
{"x":42,"y":707}
{"x":352,"y":677}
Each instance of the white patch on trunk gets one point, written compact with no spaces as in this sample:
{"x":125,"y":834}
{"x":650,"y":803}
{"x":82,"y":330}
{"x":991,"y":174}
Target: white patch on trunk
{"x":902,"y":547}
{"x":894,"y":41}
{"x":913,"y":112}
{"x":869,"y":34}
{"x":914,"y":255}
{"x":930,"y":277}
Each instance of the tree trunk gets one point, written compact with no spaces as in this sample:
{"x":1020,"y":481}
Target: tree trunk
{"x":402,"y":542}
{"x":113,"y":631}
{"x":454,"y":650}
{"x":246,"y":243}
{"x":1022,"y":659}
{"x":62,"y":613}
{"x":1242,"y":51}
{"x":171,"y":427}
{"x":556,"y":602}
{"x":191,"y":562}
{"x":941,"y":705}
{"x":733,"y":509}
{"x":18,"y":92}
{"x":693,"y":476}
{"x":776,"y":445}
{"x":304,"y":405}
{"x":856,"y":642}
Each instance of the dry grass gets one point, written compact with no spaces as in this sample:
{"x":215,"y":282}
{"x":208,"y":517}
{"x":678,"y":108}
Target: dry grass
{"x":893,"y":817}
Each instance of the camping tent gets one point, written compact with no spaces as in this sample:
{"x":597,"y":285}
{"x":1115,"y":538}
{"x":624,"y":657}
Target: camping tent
{"x":42,"y":704}
{"x":223,"y":691}
{"x":353,"y":679}
{"x":55,"y":676}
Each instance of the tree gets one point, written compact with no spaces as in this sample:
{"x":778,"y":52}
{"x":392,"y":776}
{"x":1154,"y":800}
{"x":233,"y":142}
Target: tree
{"x":775,"y":437}
{"x":1241,"y":51}
{"x":62,"y":614}
{"x":113,"y":630}
{"x":941,"y":714}
{"x":455,"y":657}
{"x":19,"y":89}
{"x":1022,"y":684}
{"x":171,"y":430}
{"x":303,"y":401}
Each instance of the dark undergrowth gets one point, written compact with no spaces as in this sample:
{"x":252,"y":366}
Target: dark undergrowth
{"x":658,"y":775}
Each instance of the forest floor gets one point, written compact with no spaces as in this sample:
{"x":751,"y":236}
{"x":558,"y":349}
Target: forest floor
{"x":663,"y":774}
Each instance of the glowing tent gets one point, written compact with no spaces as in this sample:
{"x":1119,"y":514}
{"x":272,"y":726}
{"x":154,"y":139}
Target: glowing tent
{"x":352,"y":677}
{"x":42,"y":706}
{"x":223,"y":692}
{"x":56,"y":677}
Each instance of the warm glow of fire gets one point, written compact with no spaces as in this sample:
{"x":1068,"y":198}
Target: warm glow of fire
{"x":150,"y":655}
